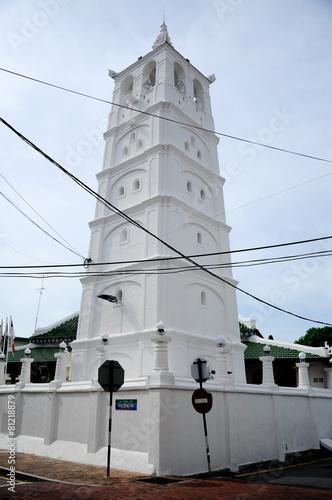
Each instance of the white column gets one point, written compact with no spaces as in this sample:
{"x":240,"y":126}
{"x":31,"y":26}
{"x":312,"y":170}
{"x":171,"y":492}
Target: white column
{"x":328,"y":375}
{"x":61,"y":366}
{"x":103,"y":353}
{"x":268,"y":375}
{"x":25,"y":376}
{"x":161,"y":374}
{"x":303,"y":374}
{"x":221,"y":365}
{"x":2,"y":372}
{"x":160,"y":357}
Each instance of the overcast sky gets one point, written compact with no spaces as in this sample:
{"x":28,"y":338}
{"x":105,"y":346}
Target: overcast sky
{"x":273,"y":64}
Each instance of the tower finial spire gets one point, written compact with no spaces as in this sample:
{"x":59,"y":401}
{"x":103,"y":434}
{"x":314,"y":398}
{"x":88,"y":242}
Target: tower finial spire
{"x":163,"y":35}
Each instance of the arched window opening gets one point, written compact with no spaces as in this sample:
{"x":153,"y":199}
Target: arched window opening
{"x":179,"y":78}
{"x":125,"y":150}
{"x":136,"y":185}
{"x":149,"y":76}
{"x":132,"y":136}
{"x":139,"y":143}
{"x":186,"y":146}
{"x":202,"y":194}
{"x":189,"y":187}
{"x":126,"y":87}
{"x":198,"y":94}
{"x":203,"y":299}
{"x":121,"y":191}
{"x":199,"y":154}
{"x":119,"y":295}
{"x":124,"y":236}
{"x":199,"y":238}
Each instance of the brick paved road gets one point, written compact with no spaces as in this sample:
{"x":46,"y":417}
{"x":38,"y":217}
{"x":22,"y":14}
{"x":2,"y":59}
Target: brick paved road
{"x":122,"y":485}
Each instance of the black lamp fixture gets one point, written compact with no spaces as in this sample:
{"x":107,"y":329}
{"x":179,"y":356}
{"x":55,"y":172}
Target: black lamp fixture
{"x":110,"y":298}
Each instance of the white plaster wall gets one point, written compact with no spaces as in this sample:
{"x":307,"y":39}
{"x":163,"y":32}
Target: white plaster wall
{"x":246,"y":424}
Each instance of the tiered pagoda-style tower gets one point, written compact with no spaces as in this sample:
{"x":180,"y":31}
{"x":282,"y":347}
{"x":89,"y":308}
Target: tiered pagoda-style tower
{"x":161,"y":169}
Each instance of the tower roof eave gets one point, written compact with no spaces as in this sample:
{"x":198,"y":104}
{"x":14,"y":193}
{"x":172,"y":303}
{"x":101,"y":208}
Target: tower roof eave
{"x":155,"y":50}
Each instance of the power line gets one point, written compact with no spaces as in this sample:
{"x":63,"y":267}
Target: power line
{"x":37,"y":225}
{"x":159,"y":270}
{"x":228,"y":136}
{"x":136,"y":224}
{"x":75,"y":251}
{"x":286,"y":258}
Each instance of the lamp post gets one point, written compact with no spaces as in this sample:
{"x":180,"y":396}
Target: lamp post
{"x":267,"y":360}
{"x":221,"y":359}
{"x":303,"y":371}
{"x":61,"y":363}
{"x":25,"y":376}
{"x":160,"y":376}
{"x":103,"y":348}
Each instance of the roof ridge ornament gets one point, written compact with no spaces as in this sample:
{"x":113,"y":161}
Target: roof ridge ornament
{"x":162,"y":37}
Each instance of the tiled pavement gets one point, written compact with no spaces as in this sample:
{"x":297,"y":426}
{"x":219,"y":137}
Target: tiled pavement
{"x":92,"y":484}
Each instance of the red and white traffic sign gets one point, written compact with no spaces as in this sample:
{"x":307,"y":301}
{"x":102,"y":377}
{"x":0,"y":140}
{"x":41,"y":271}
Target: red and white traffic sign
{"x":202,"y":400}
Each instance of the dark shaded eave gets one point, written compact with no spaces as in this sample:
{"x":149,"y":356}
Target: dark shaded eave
{"x":65,"y":331}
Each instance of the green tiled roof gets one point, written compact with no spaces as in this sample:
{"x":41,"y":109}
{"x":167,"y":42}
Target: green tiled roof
{"x":255,"y":350}
{"x":65,"y":331}
{"x":39,"y":355}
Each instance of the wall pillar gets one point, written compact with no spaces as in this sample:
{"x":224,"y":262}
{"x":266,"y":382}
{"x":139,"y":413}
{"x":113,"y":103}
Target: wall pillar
{"x":61,"y":366}
{"x":268,"y":375}
{"x":161,"y":375}
{"x":221,"y":374}
{"x":303,"y":375}
{"x":25,"y":376}
{"x":103,"y":353}
{"x":328,"y":375}
{"x":3,"y":367}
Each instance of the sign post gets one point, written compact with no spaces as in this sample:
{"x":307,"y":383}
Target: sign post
{"x":111,"y":378}
{"x":202,"y":399}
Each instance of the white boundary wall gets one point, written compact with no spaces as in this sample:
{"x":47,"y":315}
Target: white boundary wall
{"x":164,"y":435}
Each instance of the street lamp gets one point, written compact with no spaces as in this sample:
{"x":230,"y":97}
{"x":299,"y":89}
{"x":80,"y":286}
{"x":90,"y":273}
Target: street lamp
{"x":104,"y":338}
{"x":62,"y":346}
{"x":221,"y":341}
{"x":302,"y":357}
{"x":267,"y":350}
{"x":160,"y":328}
{"x":110,"y":298}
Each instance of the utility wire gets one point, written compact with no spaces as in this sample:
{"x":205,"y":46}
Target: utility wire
{"x":158,"y":270}
{"x":286,"y":258}
{"x":228,"y":136}
{"x":136,"y":224}
{"x":77,"y":253}
{"x":39,"y":227}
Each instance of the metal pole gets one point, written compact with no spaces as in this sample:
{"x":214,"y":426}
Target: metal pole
{"x":109,"y":435}
{"x":199,"y":361}
{"x":207,"y":445}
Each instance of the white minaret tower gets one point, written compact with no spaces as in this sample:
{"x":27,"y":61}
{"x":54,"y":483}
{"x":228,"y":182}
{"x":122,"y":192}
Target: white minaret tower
{"x":164,"y":174}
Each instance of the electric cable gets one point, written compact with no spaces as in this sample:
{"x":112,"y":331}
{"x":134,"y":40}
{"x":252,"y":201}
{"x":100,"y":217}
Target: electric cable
{"x":286,"y":258}
{"x":136,"y":224}
{"x":37,"y":225}
{"x":75,"y":251}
